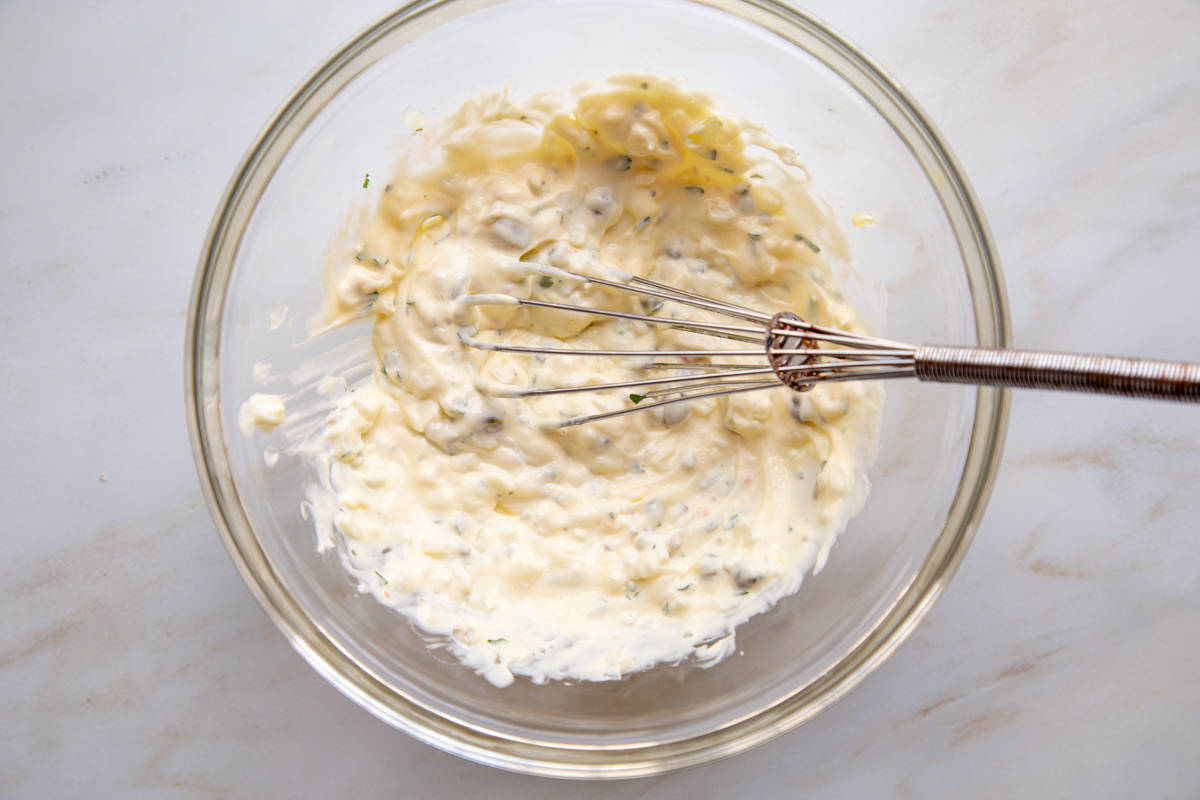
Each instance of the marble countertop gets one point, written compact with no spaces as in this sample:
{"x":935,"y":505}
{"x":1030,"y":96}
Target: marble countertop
{"x":1063,"y":661}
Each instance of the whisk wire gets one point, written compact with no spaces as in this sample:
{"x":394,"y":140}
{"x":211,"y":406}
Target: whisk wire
{"x":793,"y":349}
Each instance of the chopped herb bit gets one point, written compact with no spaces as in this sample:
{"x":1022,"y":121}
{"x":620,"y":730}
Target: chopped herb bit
{"x":637,"y":398}
{"x":754,"y":236}
{"x":683,"y":588}
{"x":645,"y":85}
{"x":666,"y":608}
{"x":695,"y":189}
{"x":654,"y":308}
{"x":546,"y":282}
{"x":497,"y":640}
{"x":645,"y":221}
{"x":711,"y":155}
{"x":756,"y":175}
{"x":743,"y":593}
{"x":366,"y":179}
{"x":612,"y":515}
{"x":353,"y":552}
{"x":805,"y":240}
{"x":382,"y":580}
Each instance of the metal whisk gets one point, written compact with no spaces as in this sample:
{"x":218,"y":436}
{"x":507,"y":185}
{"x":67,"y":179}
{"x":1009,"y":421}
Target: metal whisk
{"x":799,"y":355}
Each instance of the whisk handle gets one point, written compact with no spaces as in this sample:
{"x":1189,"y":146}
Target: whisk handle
{"x":1029,"y":369}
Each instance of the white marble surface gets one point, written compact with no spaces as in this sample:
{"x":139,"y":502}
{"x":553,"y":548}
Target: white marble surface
{"x":1064,"y":661}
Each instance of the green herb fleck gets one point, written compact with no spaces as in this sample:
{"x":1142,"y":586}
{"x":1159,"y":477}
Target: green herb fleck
{"x":382,"y":580}
{"x":756,"y":175}
{"x":754,"y":236}
{"x":499,"y":640}
{"x":637,"y":398}
{"x":645,"y":85}
{"x":683,"y":588}
{"x":546,"y":282}
{"x":645,"y":221}
{"x":743,"y":593}
{"x":809,"y":242}
{"x":612,"y":515}
{"x":366,"y":179}
{"x":695,"y":189}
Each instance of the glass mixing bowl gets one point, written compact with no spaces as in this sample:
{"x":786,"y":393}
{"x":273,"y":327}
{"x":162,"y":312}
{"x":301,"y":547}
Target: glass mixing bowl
{"x":869,"y":148}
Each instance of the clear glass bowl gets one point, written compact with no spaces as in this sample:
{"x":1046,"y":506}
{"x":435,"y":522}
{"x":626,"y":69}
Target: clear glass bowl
{"x":869,"y":149}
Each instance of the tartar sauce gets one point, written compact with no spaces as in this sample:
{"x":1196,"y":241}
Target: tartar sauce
{"x":593,"y":551}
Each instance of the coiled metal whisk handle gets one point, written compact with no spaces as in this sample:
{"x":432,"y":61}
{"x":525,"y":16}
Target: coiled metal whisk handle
{"x":1030,"y":369}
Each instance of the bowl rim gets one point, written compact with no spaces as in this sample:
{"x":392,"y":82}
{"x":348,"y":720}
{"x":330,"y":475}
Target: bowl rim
{"x":473,"y":742}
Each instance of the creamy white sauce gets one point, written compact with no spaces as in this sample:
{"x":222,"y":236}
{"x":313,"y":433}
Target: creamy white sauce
{"x":261,"y":411}
{"x":587,"y":552}
{"x":262,"y":372}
